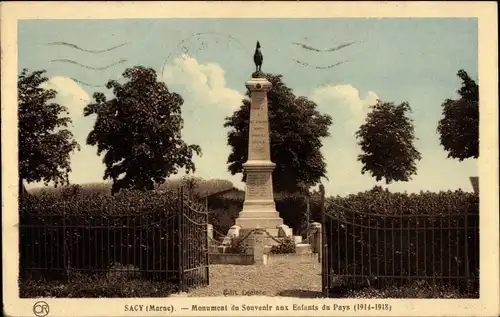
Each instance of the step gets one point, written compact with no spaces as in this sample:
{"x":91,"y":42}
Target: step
{"x":266,"y":223}
{"x":303,"y":248}
{"x":298,"y":239}
{"x":259,"y":214}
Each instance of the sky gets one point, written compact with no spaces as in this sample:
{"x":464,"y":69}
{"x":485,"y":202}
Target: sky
{"x":207,"y":62}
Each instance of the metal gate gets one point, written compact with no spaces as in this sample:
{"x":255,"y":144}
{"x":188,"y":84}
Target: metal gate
{"x":166,"y":243}
{"x":193,"y":242}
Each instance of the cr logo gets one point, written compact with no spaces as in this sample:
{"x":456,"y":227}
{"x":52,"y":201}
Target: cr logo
{"x":41,"y":309}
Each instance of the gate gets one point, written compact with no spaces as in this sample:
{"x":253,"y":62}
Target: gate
{"x":167,"y":242}
{"x":193,"y":242}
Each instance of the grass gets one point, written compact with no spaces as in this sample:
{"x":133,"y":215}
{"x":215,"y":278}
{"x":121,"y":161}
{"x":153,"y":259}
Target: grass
{"x":120,"y":282}
{"x":92,"y":287}
{"x":418,"y":289}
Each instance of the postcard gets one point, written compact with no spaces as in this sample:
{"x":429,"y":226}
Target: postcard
{"x":250,"y":159}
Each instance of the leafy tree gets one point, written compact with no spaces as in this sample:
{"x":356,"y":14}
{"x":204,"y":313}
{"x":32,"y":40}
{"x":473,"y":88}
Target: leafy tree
{"x":459,"y":126}
{"x":296,"y":129}
{"x":191,"y":184}
{"x":45,"y":143}
{"x":139,"y":130}
{"x":386,"y":140}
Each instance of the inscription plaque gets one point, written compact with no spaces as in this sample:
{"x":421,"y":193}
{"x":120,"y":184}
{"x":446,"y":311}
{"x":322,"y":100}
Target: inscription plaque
{"x":257,"y":185}
{"x":258,"y":146}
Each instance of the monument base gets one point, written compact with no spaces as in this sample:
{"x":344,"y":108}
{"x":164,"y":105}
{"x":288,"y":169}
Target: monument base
{"x":259,"y":213}
{"x":270,"y":224}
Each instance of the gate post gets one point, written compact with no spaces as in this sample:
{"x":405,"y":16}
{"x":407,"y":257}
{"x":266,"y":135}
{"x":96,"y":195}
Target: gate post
{"x":210,"y":235}
{"x":316,"y":238}
{"x":323,"y":256}
{"x":210,"y":232}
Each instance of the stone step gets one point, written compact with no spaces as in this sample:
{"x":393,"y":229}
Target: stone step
{"x":303,"y":248}
{"x":271,"y":231}
{"x":266,"y":223}
{"x":298,"y":239}
{"x":259,"y":214}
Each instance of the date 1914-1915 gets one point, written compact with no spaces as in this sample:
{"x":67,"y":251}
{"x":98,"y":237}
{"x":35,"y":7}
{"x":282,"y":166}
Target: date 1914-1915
{"x":368,"y":307}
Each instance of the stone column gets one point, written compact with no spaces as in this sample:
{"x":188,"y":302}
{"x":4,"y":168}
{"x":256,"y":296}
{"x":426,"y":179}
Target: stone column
{"x":210,"y":233}
{"x":315,"y":239}
{"x":259,"y":208}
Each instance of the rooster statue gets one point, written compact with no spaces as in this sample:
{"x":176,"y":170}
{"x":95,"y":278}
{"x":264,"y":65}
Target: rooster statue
{"x":258,"y":58}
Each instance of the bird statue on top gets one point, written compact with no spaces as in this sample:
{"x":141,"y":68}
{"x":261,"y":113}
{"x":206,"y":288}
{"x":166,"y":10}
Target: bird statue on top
{"x":258,"y":59}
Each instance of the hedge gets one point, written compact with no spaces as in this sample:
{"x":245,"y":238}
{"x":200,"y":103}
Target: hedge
{"x":131,"y":228}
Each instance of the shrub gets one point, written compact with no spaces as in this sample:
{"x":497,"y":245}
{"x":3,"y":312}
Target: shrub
{"x":287,"y":246}
{"x":238,"y":245}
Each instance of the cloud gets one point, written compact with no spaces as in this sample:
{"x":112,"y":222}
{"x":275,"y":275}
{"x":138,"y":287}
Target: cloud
{"x":69,"y":94}
{"x":349,"y":106}
{"x":207,"y":101}
{"x":204,"y":83}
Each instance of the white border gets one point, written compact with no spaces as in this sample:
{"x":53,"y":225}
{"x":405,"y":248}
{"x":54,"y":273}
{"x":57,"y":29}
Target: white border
{"x":487,"y":305}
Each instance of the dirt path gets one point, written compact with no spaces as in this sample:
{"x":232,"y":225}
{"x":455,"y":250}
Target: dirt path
{"x":281,"y":278}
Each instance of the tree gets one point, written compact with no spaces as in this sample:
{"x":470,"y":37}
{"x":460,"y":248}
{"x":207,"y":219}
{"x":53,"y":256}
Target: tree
{"x":296,"y":129}
{"x":386,"y":140}
{"x":45,"y":143}
{"x":191,"y":184}
{"x":139,"y":130}
{"x":459,"y":126}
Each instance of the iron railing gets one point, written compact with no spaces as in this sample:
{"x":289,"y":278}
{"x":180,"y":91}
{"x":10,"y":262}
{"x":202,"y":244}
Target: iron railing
{"x":380,"y":250}
{"x":169,"y":244}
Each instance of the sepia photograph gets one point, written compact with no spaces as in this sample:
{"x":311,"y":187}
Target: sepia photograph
{"x":306,"y":160}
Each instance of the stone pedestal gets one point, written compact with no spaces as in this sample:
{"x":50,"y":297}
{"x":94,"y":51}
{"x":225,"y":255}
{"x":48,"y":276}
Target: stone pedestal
{"x":259,"y":208}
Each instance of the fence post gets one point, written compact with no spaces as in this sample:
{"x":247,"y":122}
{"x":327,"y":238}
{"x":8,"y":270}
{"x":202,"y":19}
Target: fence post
{"x":308,"y":213}
{"x":466,"y":230}
{"x":65,"y":255}
{"x":180,"y":216}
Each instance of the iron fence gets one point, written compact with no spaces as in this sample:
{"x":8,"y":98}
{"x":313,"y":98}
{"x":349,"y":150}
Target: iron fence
{"x":379,"y":250}
{"x":168,"y":244}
